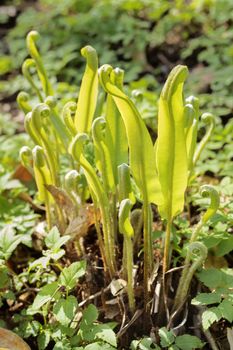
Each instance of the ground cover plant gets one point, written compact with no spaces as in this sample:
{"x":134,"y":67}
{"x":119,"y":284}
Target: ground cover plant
{"x":94,"y":162}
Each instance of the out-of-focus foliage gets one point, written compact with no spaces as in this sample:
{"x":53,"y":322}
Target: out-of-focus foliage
{"x":141,"y":36}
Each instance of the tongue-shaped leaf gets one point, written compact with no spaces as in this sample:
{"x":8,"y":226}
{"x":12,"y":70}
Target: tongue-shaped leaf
{"x":142,"y":156}
{"x":171,"y":155}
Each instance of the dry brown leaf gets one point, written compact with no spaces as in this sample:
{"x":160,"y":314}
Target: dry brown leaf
{"x":10,"y":341}
{"x":79,"y":226}
{"x":63,"y":200}
{"x":22,"y":174}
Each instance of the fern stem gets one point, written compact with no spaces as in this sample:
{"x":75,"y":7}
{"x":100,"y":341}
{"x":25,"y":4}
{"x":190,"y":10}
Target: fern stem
{"x":147,"y":246}
{"x":167,"y":246}
{"x":129,"y":267}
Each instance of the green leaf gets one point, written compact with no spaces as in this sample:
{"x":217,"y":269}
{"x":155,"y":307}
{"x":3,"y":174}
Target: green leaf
{"x":64,"y":310}
{"x":52,"y":237}
{"x":4,"y":277}
{"x":90,"y":315}
{"x":103,"y":154}
{"x":47,"y":293}
{"x":8,"y":241}
{"x":43,"y":340}
{"x":53,"y":240}
{"x":106,"y":334}
{"x":29,"y":328}
{"x":57,"y":254}
{"x":116,"y":139}
{"x":225,"y":246}
{"x":226,"y":309}
{"x":206,"y":299}
{"x":171,"y":155}
{"x":216,"y":278}
{"x":125,"y":226}
{"x":188,"y":342}
{"x":70,"y":275}
{"x":99,"y":346}
{"x":173,"y":347}
{"x":144,"y":344}
{"x":142,"y":156}
{"x":62,"y":345}
{"x":210,"y":316}
{"x":41,"y":262}
{"x":166,"y":337}
{"x":88,"y":92}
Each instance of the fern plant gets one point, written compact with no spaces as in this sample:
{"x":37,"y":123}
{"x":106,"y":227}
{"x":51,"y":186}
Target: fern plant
{"x":101,"y":148}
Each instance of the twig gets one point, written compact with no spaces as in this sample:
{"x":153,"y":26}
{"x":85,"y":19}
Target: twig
{"x":91,"y":297}
{"x":137,"y":314}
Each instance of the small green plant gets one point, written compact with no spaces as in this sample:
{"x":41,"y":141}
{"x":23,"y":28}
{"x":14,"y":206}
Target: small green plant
{"x":169,"y":341}
{"x":196,"y":247}
{"x":219,"y":281}
{"x":64,"y":324}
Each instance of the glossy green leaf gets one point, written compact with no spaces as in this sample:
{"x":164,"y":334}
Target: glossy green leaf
{"x":116,"y":139}
{"x":142,"y":157}
{"x":171,"y":155}
{"x":88,"y":92}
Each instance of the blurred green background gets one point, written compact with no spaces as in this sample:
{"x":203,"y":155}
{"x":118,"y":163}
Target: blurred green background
{"x":144,"y":37}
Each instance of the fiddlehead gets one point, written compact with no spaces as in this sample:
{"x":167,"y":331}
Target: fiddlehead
{"x":25,"y":155}
{"x":71,"y":181}
{"x":207,"y":191}
{"x":124,"y":187}
{"x":209,"y":120}
{"x":194,"y":249}
{"x":188,"y":272}
{"x":29,"y":129}
{"x":61,"y":134}
{"x":103,"y":156}
{"x":30,"y":63}
{"x":42,"y":177}
{"x":32,"y":37}
{"x":100,"y":196}
{"x":40,"y":113}
{"x":22,"y":100}
{"x":68,"y":113}
{"x":88,"y":92}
